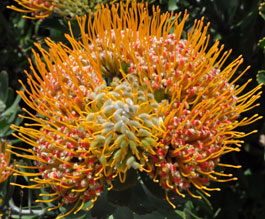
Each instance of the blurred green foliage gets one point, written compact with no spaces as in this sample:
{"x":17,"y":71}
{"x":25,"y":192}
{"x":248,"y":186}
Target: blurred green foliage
{"x":235,"y":23}
{"x":9,"y":108}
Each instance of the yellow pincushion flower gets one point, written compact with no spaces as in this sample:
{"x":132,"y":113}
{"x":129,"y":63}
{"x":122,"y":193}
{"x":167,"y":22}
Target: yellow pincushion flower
{"x":131,"y":94}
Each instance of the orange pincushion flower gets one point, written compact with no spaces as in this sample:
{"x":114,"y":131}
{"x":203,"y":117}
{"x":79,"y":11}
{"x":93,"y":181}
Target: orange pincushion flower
{"x":202,"y":107}
{"x":38,"y":8}
{"x":60,"y":147}
{"x":5,"y":168}
{"x":199,"y":102}
{"x":132,"y":95}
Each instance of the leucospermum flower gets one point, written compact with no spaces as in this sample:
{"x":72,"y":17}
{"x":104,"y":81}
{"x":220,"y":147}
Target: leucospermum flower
{"x":132,"y":94}
{"x":43,"y":8}
{"x":61,"y":147}
{"x":5,"y":167}
{"x":37,"y":8}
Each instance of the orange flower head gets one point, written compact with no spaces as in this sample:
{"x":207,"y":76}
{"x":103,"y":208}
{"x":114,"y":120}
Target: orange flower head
{"x":40,"y":9}
{"x":5,"y":168}
{"x":132,"y":94}
{"x":60,"y":147}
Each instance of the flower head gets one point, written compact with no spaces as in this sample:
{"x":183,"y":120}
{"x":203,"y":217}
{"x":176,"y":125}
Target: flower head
{"x":5,"y":168}
{"x":37,"y":8}
{"x":61,"y":147}
{"x":43,"y":8}
{"x":132,"y":94}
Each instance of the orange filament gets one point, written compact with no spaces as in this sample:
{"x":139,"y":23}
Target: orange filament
{"x":167,"y":198}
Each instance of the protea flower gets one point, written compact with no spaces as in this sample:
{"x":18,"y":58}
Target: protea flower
{"x":132,"y":94}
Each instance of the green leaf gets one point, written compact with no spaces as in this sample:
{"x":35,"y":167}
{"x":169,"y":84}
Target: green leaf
{"x":3,"y":86}
{"x":82,"y":214}
{"x":163,"y":207}
{"x":152,"y":187}
{"x":3,"y":124}
{"x":120,"y":198}
{"x":206,"y":201}
{"x":4,"y":129}
{"x":226,"y":9}
{"x":171,"y":213}
{"x":123,"y":212}
{"x":158,"y":192}
{"x":17,"y":120}
{"x":79,"y":215}
{"x":13,"y":108}
{"x":2,"y":106}
{"x":131,"y":180}
{"x":153,"y":215}
{"x":247,"y":20}
{"x":189,"y":208}
{"x":261,"y":76}
{"x":10,"y":97}
{"x":140,"y":203}
{"x":180,"y":213}
{"x":7,"y":191}
{"x":172,"y":5}
{"x":54,"y":24}
{"x":102,"y":208}
{"x":217,"y":212}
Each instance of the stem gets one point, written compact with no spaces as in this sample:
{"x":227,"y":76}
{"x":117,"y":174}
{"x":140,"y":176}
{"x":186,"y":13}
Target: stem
{"x":20,"y":205}
{"x":16,"y":209}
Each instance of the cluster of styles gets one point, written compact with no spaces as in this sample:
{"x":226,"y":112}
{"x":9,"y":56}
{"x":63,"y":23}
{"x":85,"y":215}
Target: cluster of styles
{"x":131,"y":94}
